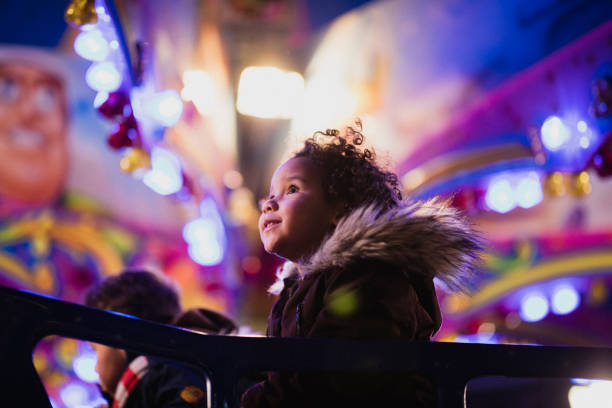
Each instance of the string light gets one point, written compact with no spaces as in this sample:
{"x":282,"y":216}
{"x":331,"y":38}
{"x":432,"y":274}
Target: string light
{"x":91,"y":45}
{"x":165,"y":177}
{"x":103,"y":77}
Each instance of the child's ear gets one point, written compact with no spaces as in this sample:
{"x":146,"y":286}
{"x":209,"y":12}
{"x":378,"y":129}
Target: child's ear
{"x":338,"y":214}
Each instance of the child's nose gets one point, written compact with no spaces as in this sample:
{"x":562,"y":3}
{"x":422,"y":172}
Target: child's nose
{"x":270,"y":205}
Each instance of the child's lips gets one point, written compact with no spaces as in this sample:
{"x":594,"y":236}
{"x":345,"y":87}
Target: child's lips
{"x":269,"y":224}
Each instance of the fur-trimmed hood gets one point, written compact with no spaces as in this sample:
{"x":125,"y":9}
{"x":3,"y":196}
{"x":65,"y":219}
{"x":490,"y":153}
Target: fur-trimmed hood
{"x":428,"y":238}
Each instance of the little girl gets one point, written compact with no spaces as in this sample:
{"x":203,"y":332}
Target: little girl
{"x":360,"y":264}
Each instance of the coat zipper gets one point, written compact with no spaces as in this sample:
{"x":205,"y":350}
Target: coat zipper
{"x":298,"y":319}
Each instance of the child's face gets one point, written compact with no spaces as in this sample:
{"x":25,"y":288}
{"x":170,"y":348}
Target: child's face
{"x":296,"y":216}
{"x":110,"y":366}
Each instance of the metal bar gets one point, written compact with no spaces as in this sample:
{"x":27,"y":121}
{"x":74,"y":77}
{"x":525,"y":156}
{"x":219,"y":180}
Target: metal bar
{"x":27,"y":317}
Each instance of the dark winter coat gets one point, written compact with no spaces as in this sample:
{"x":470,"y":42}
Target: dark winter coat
{"x":165,"y":383}
{"x":371,"y":279}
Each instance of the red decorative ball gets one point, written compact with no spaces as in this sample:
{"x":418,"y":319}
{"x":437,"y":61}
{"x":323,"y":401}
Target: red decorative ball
{"x":115,"y":105}
{"x":120,"y":138}
{"x":126,"y":135}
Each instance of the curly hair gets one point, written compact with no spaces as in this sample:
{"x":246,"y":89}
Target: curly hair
{"x":353,"y":178}
{"x":137,"y":293}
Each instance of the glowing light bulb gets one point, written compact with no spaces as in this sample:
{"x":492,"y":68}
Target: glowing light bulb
{"x":206,"y":254}
{"x":91,"y":45}
{"x":596,"y":394}
{"x":534,"y":307}
{"x":199,"y":230}
{"x":529,"y":191}
{"x":103,"y":77}
{"x":165,"y":177}
{"x":84,"y":366}
{"x":500,"y":195}
{"x":74,"y":394}
{"x":166,"y":107}
{"x":206,"y":235}
{"x":269,"y":92}
{"x":555,"y":133}
{"x":199,"y":87}
{"x":565,"y":299}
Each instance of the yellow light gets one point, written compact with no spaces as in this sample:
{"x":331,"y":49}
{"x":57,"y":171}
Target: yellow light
{"x":232,"y":179}
{"x":268,"y":92}
{"x":199,"y":87}
{"x":414,"y":179}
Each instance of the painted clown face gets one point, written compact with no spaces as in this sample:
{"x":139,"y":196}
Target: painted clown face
{"x":32,"y":134}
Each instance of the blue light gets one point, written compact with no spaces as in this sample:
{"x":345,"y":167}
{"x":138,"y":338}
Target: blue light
{"x":103,"y":77}
{"x":565,"y":299}
{"x":84,"y":366}
{"x":208,"y":210}
{"x":597,"y":160}
{"x":206,"y":254}
{"x":602,"y":107}
{"x":534,"y":307}
{"x":555,"y":134}
{"x":91,"y":45}
{"x":206,"y":235}
{"x":166,"y":107}
{"x":199,"y":230}
{"x":74,"y":394}
{"x":165,"y":177}
{"x":500,"y":195}
{"x":581,"y":381}
{"x":582,"y":126}
{"x":529,"y":191}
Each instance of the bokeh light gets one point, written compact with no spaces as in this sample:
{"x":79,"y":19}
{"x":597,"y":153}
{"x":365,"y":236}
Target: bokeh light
{"x":565,"y":299}
{"x":91,"y":45}
{"x":534,"y":307}
{"x":500,"y":195}
{"x":165,"y":177}
{"x":555,"y":133}
{"x":84,"y":366}
{"x":74,"y":394}
{"x":529,"y":190}
{"x":596,"y":394}
{"x":103,"y":77}
{"x":269,"y":92}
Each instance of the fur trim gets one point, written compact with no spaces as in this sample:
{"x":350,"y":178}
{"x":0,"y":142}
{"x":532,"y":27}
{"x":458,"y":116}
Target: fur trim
{"x":287,"y":270}
{"x":428,"y":238}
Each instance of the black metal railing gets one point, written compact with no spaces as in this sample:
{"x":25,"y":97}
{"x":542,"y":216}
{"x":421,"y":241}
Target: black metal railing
{"x":26,"y":318}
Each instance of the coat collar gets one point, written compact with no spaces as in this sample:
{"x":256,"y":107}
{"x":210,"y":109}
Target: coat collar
{"x":429,"y":238}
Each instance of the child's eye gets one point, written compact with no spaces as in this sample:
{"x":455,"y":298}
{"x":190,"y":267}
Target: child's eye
{"x":292,"y":189}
